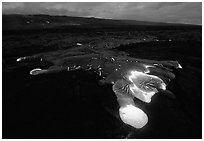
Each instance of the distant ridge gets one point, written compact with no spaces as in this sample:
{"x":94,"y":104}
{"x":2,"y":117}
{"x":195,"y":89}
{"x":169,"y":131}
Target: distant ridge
{"x":31,"y":22}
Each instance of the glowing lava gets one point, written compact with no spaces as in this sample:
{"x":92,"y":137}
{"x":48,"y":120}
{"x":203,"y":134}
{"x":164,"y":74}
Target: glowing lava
{"x":131,"y":77}
{"x":37,"y":71}
{"x":143,"y":86}
{"x":133,"y":116}
{"x":140,"y":85}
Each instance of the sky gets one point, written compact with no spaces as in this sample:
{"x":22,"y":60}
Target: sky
{"x":176,"y":12}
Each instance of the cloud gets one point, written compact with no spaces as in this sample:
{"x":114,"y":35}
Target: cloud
{"x":10,"y":6}
{"x":182,"y":12}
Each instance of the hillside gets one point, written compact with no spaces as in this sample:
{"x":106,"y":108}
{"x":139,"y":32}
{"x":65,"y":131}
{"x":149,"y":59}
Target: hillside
{"x":32,"y":22}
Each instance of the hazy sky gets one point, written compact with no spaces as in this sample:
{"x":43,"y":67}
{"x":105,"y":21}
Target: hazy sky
{"x":179,"y":12}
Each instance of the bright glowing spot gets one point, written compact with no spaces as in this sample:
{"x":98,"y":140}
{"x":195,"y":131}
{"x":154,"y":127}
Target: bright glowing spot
{"x":78,"y":44}
{"x":37,"y":71}
{"x":163,"y":86}
{"x":20,"y":59}
{"x":133,"y":116}
{"x":78,"y":67}
{"x":147,"y":66}
{"x":179,"y":66}
{"x":113,"y":59}
{"x":138,"y":79}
